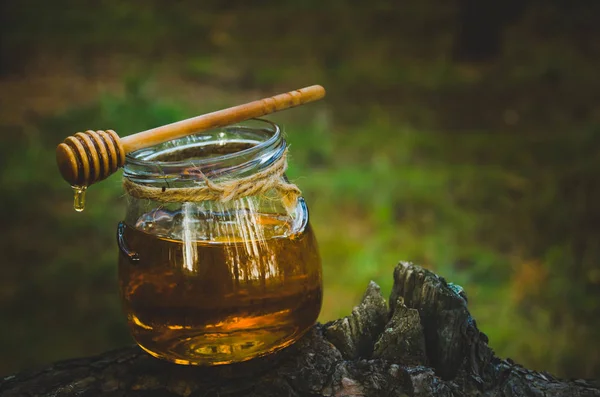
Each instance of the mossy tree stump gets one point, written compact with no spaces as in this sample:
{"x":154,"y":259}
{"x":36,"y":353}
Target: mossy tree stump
{"x":425,"y":344}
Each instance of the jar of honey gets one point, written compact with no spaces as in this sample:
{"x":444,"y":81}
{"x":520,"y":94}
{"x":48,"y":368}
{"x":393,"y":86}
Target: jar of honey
{"x":206,"y":281}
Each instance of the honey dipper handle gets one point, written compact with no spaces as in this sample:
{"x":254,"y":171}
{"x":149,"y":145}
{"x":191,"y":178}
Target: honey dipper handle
{"x":221,"y":118}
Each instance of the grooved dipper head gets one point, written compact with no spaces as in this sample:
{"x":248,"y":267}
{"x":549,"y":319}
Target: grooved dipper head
{"x":89,"y":157}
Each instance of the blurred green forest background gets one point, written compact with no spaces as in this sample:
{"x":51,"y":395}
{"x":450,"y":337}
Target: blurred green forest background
{"x":461,"y":134}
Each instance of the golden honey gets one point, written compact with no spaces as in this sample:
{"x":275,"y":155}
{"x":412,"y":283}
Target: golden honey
{"x":251,"y":288}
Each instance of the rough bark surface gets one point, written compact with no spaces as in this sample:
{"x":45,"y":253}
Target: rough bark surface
{"x":426,"y":344}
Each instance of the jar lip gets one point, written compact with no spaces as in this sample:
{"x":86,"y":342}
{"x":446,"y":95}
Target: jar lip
{"x":131,"y":158}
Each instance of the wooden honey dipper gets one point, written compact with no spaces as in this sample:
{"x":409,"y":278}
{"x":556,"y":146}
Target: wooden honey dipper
{"x":91,"y":156}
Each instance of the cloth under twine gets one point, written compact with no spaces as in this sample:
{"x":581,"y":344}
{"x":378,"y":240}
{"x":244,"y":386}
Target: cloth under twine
{"x":271,"y":178}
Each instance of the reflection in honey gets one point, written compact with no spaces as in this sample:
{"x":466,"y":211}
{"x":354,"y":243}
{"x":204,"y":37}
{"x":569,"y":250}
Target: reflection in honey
{"x":251,"y":287}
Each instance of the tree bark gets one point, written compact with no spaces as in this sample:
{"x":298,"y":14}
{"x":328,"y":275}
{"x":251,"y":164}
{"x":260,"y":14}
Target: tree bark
{"x":426,"y":344}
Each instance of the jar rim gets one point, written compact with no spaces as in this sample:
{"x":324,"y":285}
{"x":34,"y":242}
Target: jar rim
{"x":132,"y":159}
{"x":266,"y":146}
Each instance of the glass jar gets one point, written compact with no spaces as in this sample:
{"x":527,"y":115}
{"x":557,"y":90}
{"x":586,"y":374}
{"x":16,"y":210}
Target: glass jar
{"x":213,"y":282}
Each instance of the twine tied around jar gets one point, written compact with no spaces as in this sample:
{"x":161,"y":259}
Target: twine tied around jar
{"x":256,"y":184}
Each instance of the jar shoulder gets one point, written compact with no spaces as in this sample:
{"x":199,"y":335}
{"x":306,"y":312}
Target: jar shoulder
{"x":248,"y":218}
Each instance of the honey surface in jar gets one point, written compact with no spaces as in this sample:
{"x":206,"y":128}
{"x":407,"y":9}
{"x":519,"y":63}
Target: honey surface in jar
{"x":252,"y":287}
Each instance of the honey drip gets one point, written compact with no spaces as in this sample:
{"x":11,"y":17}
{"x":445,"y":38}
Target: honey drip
{"x":79,"y":198}
{"x":250,"y":289}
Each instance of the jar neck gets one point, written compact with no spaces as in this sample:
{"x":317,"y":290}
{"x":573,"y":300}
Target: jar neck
{"x":228,"y":152}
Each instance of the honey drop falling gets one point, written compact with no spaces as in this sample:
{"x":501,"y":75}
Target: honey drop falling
{"x":79,"y":198}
